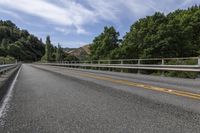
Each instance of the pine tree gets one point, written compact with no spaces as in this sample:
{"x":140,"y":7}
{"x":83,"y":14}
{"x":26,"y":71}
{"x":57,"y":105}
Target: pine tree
{"x":58,"y":53}
{"x":47,"y":48}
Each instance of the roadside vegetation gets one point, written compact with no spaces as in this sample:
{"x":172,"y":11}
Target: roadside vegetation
{"x":18,"y":43}
{"x":56,"y":54}
{"x":158,"y":36}
{"x":7,"y":60}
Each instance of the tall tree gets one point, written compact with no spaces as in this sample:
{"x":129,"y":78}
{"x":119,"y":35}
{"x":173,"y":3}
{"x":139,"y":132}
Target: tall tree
{"x":104,"y":43}
{"x":47,"y":48}
{"x":59,"y":53}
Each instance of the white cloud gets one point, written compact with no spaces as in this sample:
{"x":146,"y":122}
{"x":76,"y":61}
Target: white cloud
{"x":10,"y":13}
{"x":72,"y":30}
{"x":72,"y":14}
{"x":105,"y":9}
{"x":63,"y":30}
{"x":114,"y":9}
{"x":81,"y":30}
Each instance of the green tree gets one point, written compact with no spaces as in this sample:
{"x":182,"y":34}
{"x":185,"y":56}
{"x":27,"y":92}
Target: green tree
{"x":48,"y":49}
{"x":4,"y":43}
{"x":173,"y":35}
{"x":59,"y":53}
{"x":13,"y":38}
{"x":104,"y":43}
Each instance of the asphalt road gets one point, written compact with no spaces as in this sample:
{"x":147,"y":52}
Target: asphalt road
{"x":48,"y":102}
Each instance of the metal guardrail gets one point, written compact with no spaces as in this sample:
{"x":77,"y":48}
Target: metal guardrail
{"x":7,"y":67}
{"x":162,"y":61}
{"x":162,"y":64}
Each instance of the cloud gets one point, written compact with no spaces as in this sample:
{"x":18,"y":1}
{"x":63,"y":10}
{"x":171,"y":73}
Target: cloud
{"x":105,"y":9}
{"x":10,"y":13}
{"x":113,"y":10}
{"x":62,"y":30}
{"x":72,"y":30}
{"x":71,"y":14}
{"x":74,"y":18}
{"x":76,"y":14}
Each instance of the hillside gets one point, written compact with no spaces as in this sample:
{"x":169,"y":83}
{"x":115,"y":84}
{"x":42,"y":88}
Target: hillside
{"x":81,"y":53}
{"x":18,"y":43}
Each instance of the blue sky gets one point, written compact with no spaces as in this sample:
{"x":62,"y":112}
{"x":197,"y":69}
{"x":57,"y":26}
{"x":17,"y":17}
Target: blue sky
{"x":74,"y":23}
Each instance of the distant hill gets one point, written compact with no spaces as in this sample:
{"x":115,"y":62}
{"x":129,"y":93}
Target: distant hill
{"x":81,"y":53}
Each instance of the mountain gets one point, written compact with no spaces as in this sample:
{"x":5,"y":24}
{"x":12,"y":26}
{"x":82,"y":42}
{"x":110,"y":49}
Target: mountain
{"x":81,"y":53}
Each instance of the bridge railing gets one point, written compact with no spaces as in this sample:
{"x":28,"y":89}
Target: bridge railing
{"x":152,"y":61}
{"x":190,"y":64}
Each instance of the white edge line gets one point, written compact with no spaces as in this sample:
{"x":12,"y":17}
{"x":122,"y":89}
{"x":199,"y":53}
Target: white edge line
{"x":7,"y":98}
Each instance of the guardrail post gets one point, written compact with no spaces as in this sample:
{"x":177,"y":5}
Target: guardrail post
{"x":163,"y":62}
{"x":199,"y":67}
{"x":109,"y":62}
{"x":163,"y":72}
{"x":99,"y":62}
{"x":139,"y":62}
{"x":122,"y":62}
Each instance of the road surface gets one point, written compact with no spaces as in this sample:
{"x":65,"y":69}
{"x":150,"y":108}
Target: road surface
{"x":60,"y":100}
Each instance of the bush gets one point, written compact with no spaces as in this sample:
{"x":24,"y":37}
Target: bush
{"x":191,"y":75}
{"x":7,"y":60}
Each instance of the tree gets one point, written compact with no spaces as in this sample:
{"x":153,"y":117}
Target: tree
{"x":15,"y":51}
{"x":59,"y":53}
{"x":104,"y":43}
{"x":47,"y":49}
{"x":4,"y":43}
{"x":13,"y":39}
{"x":158,"y":36}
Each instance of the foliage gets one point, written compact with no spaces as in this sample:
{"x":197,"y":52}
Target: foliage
{"x":157,"y":36}
{"x":104,"y":43}
{"x":19,"y":43}
{"x":174,"y":35}
{"x":7,"y":60}
{"x":53,"y":53}
{"x":59,"y":53}
{"x":47,"y":48}
{"x":71,"y":58}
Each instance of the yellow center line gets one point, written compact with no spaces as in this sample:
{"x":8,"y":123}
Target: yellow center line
{"x":140,"y":85}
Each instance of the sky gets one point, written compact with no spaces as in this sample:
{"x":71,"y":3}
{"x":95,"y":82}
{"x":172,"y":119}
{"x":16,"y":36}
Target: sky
{"x":74,"y":23}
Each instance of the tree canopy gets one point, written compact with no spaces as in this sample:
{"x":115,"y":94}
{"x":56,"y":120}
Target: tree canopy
{"x":173,"y":35}
{"x":104,"y":43}
{"x":18,"y":43}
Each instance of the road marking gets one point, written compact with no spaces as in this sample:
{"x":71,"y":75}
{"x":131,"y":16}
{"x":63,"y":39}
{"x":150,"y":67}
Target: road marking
{"x":142,"y":85}
{"x":8,"y":96}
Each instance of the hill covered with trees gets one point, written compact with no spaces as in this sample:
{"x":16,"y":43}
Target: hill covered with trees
{"x":173,"y":35}
{"x":19,"y":44}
